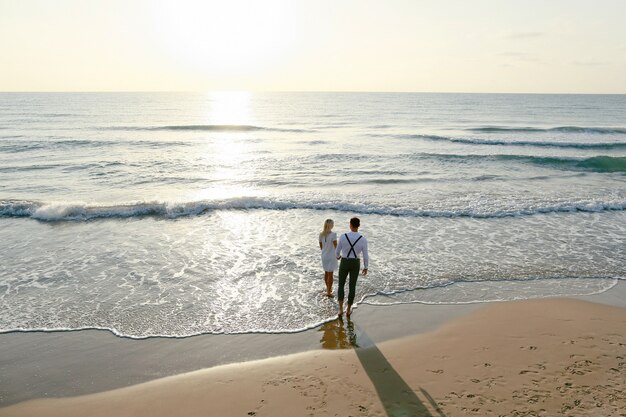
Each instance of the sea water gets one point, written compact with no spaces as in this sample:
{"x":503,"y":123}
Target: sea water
{"x":176,"y":214}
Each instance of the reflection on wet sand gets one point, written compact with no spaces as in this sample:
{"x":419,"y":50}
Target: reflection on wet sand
{"x":338,"y":334}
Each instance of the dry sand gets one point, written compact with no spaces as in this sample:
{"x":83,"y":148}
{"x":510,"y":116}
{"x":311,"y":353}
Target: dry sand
{"x":528,"y":358}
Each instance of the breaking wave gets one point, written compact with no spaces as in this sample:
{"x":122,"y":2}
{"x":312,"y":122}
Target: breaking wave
{"x":55,"y":212}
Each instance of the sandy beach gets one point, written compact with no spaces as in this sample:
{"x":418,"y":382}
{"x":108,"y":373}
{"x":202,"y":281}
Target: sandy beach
{"x":524,"y":358}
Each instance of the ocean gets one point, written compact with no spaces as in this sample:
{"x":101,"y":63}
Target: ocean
{"x":177,"y":214}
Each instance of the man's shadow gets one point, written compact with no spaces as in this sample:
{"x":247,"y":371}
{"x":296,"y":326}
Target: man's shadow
{"x":396,"y":396}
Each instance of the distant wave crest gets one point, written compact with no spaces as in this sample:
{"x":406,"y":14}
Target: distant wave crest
{"x":210,"y":128}
{"x":593,"y":164}
{"x":600,"y":164}
{"x":82,"y":212}
{"x":604,"y":163}
{"x":563,"y":129}
{"x":542,"y":144}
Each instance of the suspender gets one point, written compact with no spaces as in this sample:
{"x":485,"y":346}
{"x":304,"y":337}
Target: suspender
{"x":352,"y":245}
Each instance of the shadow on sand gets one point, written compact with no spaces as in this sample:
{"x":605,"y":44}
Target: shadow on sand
{"x":396,"y":396}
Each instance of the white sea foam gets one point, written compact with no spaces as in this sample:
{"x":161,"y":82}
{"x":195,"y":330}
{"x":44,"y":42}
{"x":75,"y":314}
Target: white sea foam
{"x":471,"y":292}
{"x":172,"y":210}
{"x":237,"y":271}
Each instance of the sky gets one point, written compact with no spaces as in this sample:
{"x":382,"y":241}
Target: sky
{"x":531,"y":46}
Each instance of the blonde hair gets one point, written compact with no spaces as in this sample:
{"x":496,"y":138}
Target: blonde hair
{"x":328,"y":226}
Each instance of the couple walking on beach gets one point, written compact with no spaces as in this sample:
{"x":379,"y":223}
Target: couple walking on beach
{"x":347,"y":249}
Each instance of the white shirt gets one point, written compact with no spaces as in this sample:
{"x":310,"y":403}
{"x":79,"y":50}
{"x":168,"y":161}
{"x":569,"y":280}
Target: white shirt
{"x":343,"y":247}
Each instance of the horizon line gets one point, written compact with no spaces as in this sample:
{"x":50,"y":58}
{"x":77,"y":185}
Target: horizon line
{"x":292,"y":91}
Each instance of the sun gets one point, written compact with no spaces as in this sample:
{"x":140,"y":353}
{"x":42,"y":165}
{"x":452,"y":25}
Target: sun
{"x":224,"y":36}
{"x":230,"y":108}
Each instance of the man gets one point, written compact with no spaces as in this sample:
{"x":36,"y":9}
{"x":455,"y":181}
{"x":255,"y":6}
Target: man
{"x":349,"y":247}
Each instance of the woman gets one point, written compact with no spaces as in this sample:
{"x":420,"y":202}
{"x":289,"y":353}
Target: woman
{"x":328,"y":243}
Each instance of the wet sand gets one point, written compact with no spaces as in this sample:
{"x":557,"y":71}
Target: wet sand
{"x":62,"y":364}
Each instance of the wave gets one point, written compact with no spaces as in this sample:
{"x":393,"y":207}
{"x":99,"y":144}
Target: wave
{"x":542,"y":144}
{"x":604,"y":164}
{"x":53,"y":212}
{"x":563,"y":129}
{"x":25,"y":168}
{"x":385,"y":181}
{"x":314,"y":142}
{"x":594,"y":164}
{"x":70,"y":144}
{"x":601,"y":164}
{"x":208,"y":128}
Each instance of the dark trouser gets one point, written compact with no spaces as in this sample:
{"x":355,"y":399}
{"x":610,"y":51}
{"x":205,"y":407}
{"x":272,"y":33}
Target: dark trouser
{"x":348,"y":266}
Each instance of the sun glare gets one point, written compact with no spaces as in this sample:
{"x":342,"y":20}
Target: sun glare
{"x":230,"y":108}
{"x":227,"y":36}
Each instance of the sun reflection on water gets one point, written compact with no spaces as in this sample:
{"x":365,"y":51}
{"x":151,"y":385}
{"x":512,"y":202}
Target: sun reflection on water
{"x":229,"y":146}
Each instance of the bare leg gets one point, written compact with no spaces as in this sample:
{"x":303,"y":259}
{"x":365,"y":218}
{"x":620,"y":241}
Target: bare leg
{"x":349,"y":310}
{"x":340,"y":308}
{"x":328,"y":279}
{"x":330,"y":284}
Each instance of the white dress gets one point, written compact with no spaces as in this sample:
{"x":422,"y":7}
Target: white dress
{"x":329,"y":259}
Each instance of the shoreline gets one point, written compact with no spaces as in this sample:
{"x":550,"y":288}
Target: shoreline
{"x":70,"y":364}
{"x":89,"y":361}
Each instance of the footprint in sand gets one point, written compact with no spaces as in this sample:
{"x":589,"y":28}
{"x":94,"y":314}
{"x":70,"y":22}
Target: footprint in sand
{"x":528,"y":371}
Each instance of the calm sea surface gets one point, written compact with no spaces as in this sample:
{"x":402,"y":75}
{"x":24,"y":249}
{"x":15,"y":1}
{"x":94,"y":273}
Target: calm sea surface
{"x":180,"y":214}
